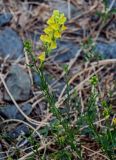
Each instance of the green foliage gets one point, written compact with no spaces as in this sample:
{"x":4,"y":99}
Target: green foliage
{"x":106,"y":14}
{"x":105,"y":138}
{"x":28,"y":46}
{"x":94,"y":80}
{"x":61,"y":155}
{"x":9,"y":158}
{"x":89,"y":50}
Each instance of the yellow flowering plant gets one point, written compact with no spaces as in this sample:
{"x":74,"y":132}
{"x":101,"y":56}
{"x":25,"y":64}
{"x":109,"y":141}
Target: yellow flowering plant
{"x":53,"y":31}
{"x":66,"y":137}
{"x":114,"y":121}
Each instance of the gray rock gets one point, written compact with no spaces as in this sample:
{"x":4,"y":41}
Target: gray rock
{"x":16,"y":132}
{"x":95,"y":18}
{"x":66,"y":50}
{"x":5,"y":18}
{"x":62,"y":6}
{"x":37,"y":80}
{"x":10,"y":44}
{"x":69,"y":50}
{"x":58,"y":88}
{"x":18,"y":83}
{"x":106,"y":50}
{"x":10,"y":111}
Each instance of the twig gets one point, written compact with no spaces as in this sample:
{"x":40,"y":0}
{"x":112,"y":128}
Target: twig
{"x":69,"y":10}
{"x":29,"y":70}
{"x":111,"y":5}
{"x":78,"y":87}
{"x":94,"y":152}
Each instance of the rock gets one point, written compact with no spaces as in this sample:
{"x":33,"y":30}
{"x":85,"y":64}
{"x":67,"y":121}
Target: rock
{"x":18,"y":83}
{"x":62,"y":6}
{"x":69,"y":50}
{"x":58,"y":88}
{"x":106,"y":50}
{"x":50,"y":80}
{"x":10,"y":111}
{"x":5,"y":18}
{"x":95,"y":18}
{"x":37,"y":80}
{"x":16,"y":132}
{"x":10,"y":44}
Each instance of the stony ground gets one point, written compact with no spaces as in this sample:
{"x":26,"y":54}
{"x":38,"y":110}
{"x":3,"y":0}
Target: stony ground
{"x":22,"y":105}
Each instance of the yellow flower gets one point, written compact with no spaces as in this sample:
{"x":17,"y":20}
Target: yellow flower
{"x":61,"y":139}
{"x":57,"y":34}
{"x":63,"y":28}
{"x":56,"y":13}
{"x":106,"y":113}
{"x":53,"y":45}
{"x":114,"y":121}
{"x":51,"y":20}
{"x":62,"y":19}
{"x":48,"y":30}
{"x":55,"y":26}
{"x":41,"y":57}
{"x":45,"y":38}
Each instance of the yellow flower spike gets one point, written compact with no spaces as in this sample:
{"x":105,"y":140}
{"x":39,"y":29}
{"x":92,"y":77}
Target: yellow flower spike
{"x":114,"y":121}
{"x":53,"y":45}
{"x":52,"y":32}
{"x":45,"y":38}
{"x":41,"y":57}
